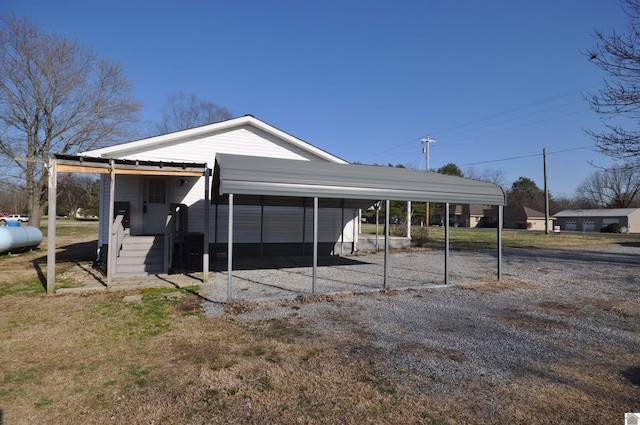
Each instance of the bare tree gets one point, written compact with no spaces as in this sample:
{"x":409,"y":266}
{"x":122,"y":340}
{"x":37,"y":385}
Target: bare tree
{"x":56,"y":96}
{"x":73,"y":188}
{"x":615,"y":187}
{"x":572,"y":203}
{"x":490,"y":175}
{"x":184,"y":111}
{"x":12,"y":199}
{"x":618,"y":55}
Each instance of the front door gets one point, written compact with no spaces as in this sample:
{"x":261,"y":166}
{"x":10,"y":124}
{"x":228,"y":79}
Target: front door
{"x":155,"y":205}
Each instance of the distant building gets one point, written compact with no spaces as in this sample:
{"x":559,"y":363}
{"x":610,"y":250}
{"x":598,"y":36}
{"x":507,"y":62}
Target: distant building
{"x":593,"y":220}
{"x":517,"y":218}
{"x":467,"y":215}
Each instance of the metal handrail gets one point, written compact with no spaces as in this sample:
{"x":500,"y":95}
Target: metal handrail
{"x":115,"y":242}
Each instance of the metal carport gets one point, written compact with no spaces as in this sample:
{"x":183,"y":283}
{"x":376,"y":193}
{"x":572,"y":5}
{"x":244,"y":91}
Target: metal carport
{"x":250,"y":175}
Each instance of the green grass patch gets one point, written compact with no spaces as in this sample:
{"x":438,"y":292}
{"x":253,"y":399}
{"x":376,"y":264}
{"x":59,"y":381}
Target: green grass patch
{"x":68,"y":227}
{"x":477,"y":238}
{"x":43,"y":401}
{"x":30,"y":286}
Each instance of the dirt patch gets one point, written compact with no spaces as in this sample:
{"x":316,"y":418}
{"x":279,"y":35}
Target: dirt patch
{"x":421,"y":350}
{"x":623,"y":308}
{"x":529,"y":321}
{"x":559,"y":307}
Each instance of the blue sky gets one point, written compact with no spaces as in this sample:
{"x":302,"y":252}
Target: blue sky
{"x":365,"y":80}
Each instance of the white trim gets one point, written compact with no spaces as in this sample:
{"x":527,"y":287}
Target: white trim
{"x":155,"y":142}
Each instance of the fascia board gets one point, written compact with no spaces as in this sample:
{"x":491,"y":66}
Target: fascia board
{"x":324,"y":191}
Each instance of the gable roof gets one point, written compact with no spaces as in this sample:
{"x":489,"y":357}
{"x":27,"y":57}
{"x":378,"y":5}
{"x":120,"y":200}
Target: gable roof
{"x":598,"y":212}
{"x":155,"y":142}
{"x":246,"y":175}
{"x":470,"y":209}
{"x":516,"y":213}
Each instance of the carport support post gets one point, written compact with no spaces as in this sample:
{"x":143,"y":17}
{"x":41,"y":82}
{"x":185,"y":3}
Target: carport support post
{"x":499,"y":226}
{"x":446,"y":244}
{"x":315,"y":246}
{"x":112,"y":251}
{"x":51,"y":223}
{"x":205,"y":248}
{"x":230,"y":248}
{"x":409,"y":219}
{"x":386,"y":245}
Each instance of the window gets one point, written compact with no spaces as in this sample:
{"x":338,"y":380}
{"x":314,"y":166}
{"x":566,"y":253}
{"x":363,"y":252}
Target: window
{"x":157,"y":191}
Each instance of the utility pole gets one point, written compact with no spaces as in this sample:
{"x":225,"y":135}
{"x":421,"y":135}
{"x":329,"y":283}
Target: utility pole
{"x":425,"y":150}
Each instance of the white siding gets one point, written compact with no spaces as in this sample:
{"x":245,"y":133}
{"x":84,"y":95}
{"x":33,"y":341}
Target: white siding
{"x":126,"y":190}
{"x":245,"y":140}
{"x":281,"y":224}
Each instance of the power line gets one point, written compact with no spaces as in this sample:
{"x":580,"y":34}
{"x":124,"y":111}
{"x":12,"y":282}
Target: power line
{"x":503,"y":113}
{"x":527,"y":156}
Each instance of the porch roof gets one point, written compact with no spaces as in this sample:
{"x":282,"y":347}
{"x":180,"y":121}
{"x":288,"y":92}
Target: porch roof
{"x":86,"y":164}
{"x":248,"y":175}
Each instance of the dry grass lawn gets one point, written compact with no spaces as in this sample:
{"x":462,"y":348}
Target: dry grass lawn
{"x":94,"y":359}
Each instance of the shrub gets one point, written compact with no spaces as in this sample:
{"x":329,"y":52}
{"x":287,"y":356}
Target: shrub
{"x":419,"y":236}
{"x":523,"y":225}
{"x":612,"y":228}
{"x":397,"y":230}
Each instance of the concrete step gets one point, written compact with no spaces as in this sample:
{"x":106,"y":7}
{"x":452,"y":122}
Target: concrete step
{"x":139,"y":269}
{"x":142,"y":241}
{"x":156,"y":257}
{"x":140,"y":256}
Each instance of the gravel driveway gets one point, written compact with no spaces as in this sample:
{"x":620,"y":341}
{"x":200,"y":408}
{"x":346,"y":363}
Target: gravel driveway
{"x":556,"y":311}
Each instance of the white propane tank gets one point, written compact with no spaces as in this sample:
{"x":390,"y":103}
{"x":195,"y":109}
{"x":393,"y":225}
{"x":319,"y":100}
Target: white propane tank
{"x":17,"y":239}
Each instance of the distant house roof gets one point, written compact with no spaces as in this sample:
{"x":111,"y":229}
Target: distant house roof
{"x":599,"y":212}
{"x":470,"y":209}
{"x":522,"y":213}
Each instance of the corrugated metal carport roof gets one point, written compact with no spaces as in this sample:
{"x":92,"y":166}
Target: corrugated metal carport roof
{"x":249,"y":175}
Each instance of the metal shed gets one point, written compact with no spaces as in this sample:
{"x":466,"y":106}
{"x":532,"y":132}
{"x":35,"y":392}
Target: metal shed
{"x":247,"y":175}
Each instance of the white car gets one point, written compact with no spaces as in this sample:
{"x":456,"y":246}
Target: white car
{"x":17,"y":217}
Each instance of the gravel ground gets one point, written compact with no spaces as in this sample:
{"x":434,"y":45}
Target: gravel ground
{"x":554,"y":306}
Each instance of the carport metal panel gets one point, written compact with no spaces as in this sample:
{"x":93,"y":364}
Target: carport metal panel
{"x":246,"y":175}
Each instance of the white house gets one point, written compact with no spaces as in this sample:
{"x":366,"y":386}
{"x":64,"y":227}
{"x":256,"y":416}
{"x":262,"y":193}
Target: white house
{"x":239,"y":188}
{"x":264,"y":227}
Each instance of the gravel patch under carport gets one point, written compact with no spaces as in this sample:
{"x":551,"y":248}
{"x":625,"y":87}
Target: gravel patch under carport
{"x":288,"y":277}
